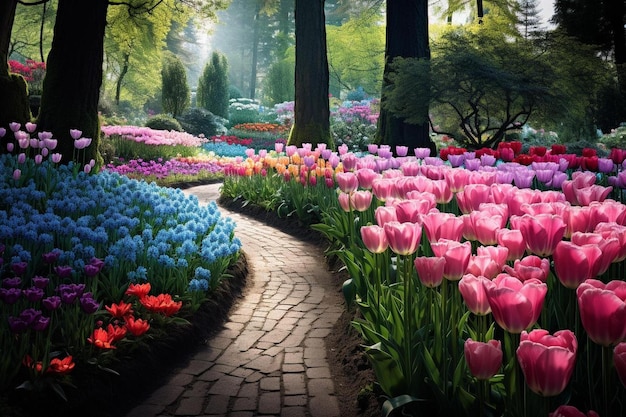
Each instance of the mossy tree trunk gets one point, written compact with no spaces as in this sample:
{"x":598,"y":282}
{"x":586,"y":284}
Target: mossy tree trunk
{"x":407,"y":37}
{"x":71,"y":88}
{"x":311,"y":107}
{"x":14,"y":106}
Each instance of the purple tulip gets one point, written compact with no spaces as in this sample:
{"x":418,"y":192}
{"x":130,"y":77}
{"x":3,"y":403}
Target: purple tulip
{"x":10,"y":295}
{"x":17,"y":325}
{"x":19,"y":268}
{"x":14,"y":282}
{"x":51,"y":303}
{"x":51,"y":257}
{"x":40,"y":324}
{"x":33,"y":294}
{"x":63,"y":271}
{"x":30,"y":315}
{"x":40,"y":282}
{"x":88,"y":304}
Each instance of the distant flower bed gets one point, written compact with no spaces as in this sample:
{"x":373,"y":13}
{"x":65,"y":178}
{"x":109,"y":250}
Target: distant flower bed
{"x":153,"y":137}
{"x":262,"y":127}
{"x":160,"y":169}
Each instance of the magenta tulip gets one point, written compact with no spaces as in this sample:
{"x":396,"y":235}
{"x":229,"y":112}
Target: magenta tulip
{"x":574,"y":264}
{"x":385,"y":214}
{"x":483,"y":359}
{"x":374,"y":238}
{"x":430,"y":270}
{"x":603,"y":310}
{"x":619,"y":360}
{"x":571,"y":411}
{"x":403,"y":238}
{"x":541,"y":232}
{"x":483,"y":265}
{"x":411,"y":210}
{"x":547,"y":361}
{"x":472,"y":289}
{"x":529,"y":267}
{"x":515,"y":305}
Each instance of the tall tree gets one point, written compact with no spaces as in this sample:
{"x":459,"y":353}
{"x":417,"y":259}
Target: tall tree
{"x":600,"y":23}
{"x":71,"y":89}
{"x":311,"y":107}
{"x":406,"y":37}
{"x":529,"y":23}
{"x":175,"y":90}
{"x":212,"y":91}
{"x":14,"y":102}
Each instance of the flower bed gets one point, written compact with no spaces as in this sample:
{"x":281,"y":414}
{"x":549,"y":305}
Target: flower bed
{"x":491,"y":288}
{"x":93,"y":266}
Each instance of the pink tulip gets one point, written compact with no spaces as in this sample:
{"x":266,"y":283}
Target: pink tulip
{"x":403,"y":238}
{"x":483,"y":359}
{"x":498,"y":254}
{"x":514,"y":241}
{"x":402,"y":150}
{"x":530,"y":267}
{"x":374,"y":238}
{"x":17,"y":174}
{"x":75,"y":133}
{"x":366,"y":177}
{"x":30,"y":127}
{"x":21,"y":158}
{"x":547,"y":361}
{"x":384,"y":188}
{"x":430,"y":270}
{"x":472,"y":289}
{"x":361,"y":200}
{"x":457,"y":256}
{"x":607,"y":211}
{"x":571,"y":411}
{"x":577,"y":219}
{"x":442,"y":192}
{"x":87,"y":169}
{"x":486,"y":227}
{"x":609,"y":246}
{"x":407,"y":184}
{"x":385,"y":214}
{"x":541,"y":232}
{"x":612,"y":230}
{"x":483,"y":265}
{"x":442,"y":226}
{"x":56,"y":157}
{"x":38,"y":159}
{"x":603,"y":310}
{"x":10,"y":147}
{"x":411,"y":210}
{"x":457,"y":179}
{"x":619,"y":360}
{"x":344,"y":202}
{"x":472,"y":197}
{"x":574,"y":264}
{"x":347,"y":181}
{"x":515,"y":305}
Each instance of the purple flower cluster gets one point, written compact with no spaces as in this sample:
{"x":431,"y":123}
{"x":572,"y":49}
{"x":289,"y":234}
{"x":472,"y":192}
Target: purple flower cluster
{"x":161,"y":169}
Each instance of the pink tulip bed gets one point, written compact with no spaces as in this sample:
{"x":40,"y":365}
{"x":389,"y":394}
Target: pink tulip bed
{"x":487,"y":283}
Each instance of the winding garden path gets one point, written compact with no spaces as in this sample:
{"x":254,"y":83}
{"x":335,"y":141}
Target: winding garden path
{"x":269,"y":359}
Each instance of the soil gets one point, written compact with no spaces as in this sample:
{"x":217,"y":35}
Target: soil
{"x":145,"y":369}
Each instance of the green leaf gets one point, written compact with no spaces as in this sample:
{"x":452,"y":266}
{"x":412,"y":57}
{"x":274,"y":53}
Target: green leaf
{"x":396,"y":403}
{"x":349,"y":291}
{"x":387,"y":369}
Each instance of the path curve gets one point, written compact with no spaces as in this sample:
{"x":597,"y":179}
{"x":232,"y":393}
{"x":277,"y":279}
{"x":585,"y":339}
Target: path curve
{"x":270,"y":357}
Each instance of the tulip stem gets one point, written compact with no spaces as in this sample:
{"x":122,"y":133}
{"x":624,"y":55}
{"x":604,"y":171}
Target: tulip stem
{"x":408,"y":314}
{"x":606,"y":369}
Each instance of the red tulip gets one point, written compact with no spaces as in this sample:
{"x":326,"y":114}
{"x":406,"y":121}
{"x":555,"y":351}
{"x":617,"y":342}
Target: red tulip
{"x":483,"y":359}
{"x":430,"y":270}
{"x":603,"y":310}
{"x":472,"y":289}
{"x":541,"y":232}
{"x":403,"y":238}
{"x":619,"y":360}
{"x":547,"y":361}
{"x":515,"y":305}
{"x":374,"y":238}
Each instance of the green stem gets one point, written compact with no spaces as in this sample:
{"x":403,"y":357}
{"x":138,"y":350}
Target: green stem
{"x":408,"y":315}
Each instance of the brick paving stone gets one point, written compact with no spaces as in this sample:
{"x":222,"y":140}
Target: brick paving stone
{"x":165,"y":395}
{"x":292,"y":367}
{"x":145,"y":410}
{"x":196,"y":367}
{"x":293,"y":412}
{"x":320,"y":387}
{"x":271,"y":383}
{"x":191,"y":406}
{"x":250,"y":390}
{"x":180,"y":379}
{"x":294,"y":357}
{"x":227,"y":385}
{"x":219,"y":342}
{"x":314,"y":353}
{"x":197,"y":389}
{"x":294,"y":400}
{"x":321,"y":372}
{"x":324,"y":406}
{"x":245,"y":403}
{"x":269,"y":403}
{"x":294,"y":384}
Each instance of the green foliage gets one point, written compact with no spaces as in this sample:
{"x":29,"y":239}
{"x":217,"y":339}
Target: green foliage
{"x":175,"y":91}
{"x":164,"y":122}
{"x":234,"y":92}
{"x":279,"y":84}
{"x":615,"y":139}
{"x":119,"y":147}
{"x":198,"y":121}
{"x":243,"y":110}
{"x":213,"y":89}
{"x":356,"y":53}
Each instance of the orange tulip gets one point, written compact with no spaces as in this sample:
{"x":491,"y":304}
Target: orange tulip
{"x":101,"y":339}
{"x":120,"y":309}
{"x":161,"y":303}
{"x":137,"y":327}
{"x":138,"y":290}
{"x":61,"y":366}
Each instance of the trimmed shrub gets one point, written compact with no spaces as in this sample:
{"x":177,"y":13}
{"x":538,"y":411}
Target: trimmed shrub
{"x":164,"y":122}
{"x":198,"y":121}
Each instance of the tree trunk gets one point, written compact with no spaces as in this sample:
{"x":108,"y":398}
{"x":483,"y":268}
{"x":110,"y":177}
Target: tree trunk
{"x":407,"y":37}
{"x":71,"y":88}
{"x":615,"y":13}
{"x":120,"y":79}
{"x":14,"y":105}
{"x":255,"y":50}
{"x":311,"y":107}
